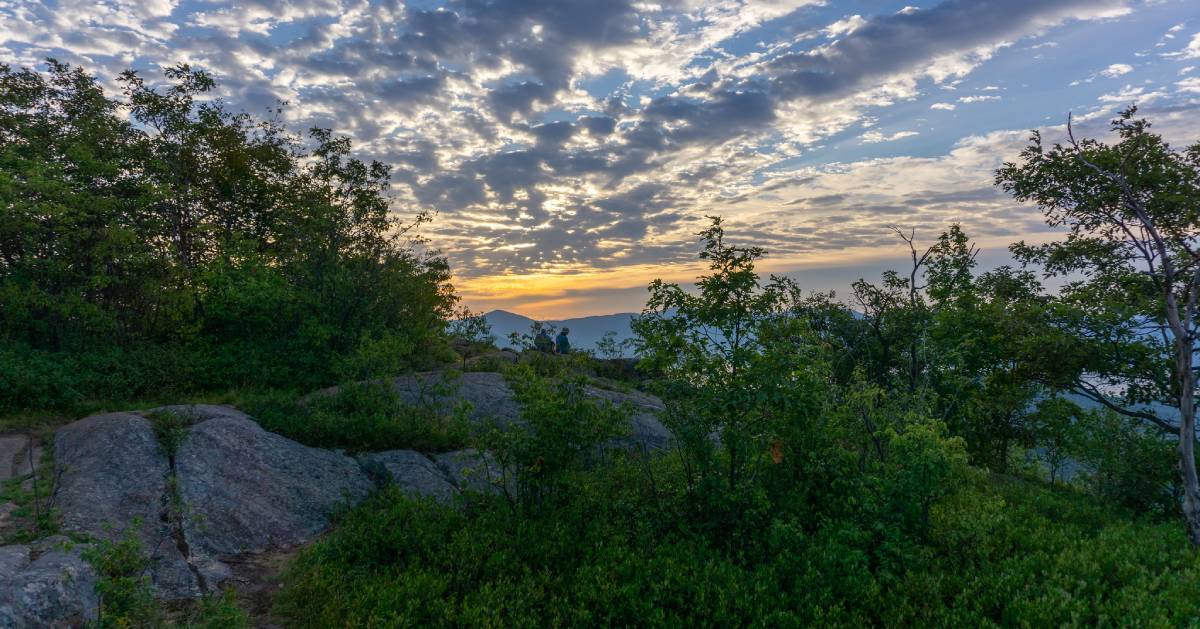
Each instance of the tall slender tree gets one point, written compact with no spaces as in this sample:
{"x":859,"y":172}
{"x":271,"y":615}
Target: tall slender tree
{"x":1132,"y":211}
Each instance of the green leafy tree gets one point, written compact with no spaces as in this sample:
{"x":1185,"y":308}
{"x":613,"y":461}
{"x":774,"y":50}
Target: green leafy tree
{"x":165,"y":225}
{"x":1129,"y":327}
{"x":610,"y":348}
{"x":1058,"y":430}
{"x":735,"y":360}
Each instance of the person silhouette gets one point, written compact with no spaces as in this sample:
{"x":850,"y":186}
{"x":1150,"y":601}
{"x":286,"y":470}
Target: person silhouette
{"x":561,"y":344}
{"x":542,"y":342}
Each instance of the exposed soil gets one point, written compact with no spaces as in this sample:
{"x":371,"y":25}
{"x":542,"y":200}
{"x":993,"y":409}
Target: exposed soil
{"x":256,"y":579}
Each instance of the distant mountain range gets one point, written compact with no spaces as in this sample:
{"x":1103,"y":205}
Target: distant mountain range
{"x":585,"y":331}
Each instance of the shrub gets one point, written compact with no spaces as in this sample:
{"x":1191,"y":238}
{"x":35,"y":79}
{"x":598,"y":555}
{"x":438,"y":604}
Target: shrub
{"x":564,"y":431}
{"x":361,"y":417}
{"x":997,"y":553}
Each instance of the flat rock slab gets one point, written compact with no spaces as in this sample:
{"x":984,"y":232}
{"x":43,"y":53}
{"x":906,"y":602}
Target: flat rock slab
{"x":247,"y":490}
{"x":114,"y":475}
{"x":487,"y":392}
{"x":28,"y":462}
{"x":412,"y":472}
{"x":491,"y":399}
{"x":48,"y":584}
{"x":12,"y":448}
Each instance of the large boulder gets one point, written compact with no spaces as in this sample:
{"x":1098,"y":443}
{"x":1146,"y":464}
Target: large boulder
{"x":114,"y":475}
{"x":646,"y":431}
{"x":473,"y":471}
{"x":246,"y":490}
{"x":47,"y":584}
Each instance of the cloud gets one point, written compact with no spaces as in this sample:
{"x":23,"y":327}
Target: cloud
{"x":559,"y":137}
{"x":1116,"y":69}
{"x":978,"y":98}
{"x":1191,"y":51}
{"x":875,"y":137}
{"x":1189,"y":85}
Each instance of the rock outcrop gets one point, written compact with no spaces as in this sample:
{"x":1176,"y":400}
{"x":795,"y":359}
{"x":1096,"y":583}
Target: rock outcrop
{"x":246,"y":490}
{"x":441,"y":476}
{"x":13,"y":461}
{"x":231,"y":488}
{"x":491,"y":399}
{"x":226,"y":488}
{"x":47,"y":584}
{"x":115,"y":475}
{"x":412,"y":472}
{"x":472,"y":470}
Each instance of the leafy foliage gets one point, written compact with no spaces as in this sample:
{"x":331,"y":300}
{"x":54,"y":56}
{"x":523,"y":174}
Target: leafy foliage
{"x":996,"y":553}
{"x":1130,"y":327}
{"x":167,"y":234}
{"x":127,"y":597}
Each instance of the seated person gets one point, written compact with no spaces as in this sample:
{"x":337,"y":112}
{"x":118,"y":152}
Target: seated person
{"x":542,"y":342}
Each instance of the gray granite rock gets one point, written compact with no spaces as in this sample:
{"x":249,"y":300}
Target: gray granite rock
{"x":472,"y":470}
{"x":412,"y":472}
{"x":487,"y":392}
{"x":492,"y":399}
{"x":246,"y":490}
{"x":645,"y":430}
{"x":114,"y":474}
{"x":47,"y":584}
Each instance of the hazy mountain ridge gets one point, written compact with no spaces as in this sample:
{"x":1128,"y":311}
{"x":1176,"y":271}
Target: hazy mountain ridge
{"x":585,"y":331}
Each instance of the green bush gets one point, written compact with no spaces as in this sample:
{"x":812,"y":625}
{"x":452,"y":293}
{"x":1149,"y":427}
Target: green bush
{"x":127,"y":597}
{"x":123,"y":581}
{"x":564,"y":432}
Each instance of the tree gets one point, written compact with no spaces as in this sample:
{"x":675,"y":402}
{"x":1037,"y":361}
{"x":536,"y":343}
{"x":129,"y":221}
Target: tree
{"x":735,"y":359}
{"x":610,"y":348}
{"x":470,"y":334}
{"x":1056,"y":423}
{"x":1132,"y":210}
{"x":166,"y":224}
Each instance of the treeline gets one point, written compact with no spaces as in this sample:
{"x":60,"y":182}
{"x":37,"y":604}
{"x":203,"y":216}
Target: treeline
{"x":1095,"y":381}
{"x":160,"y":242}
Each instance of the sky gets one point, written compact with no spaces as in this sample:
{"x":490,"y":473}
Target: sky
{"x":570,"y":150}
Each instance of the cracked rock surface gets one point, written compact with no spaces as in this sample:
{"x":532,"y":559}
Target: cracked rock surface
{"x":246,"y":490}
{"x":114,"y":476}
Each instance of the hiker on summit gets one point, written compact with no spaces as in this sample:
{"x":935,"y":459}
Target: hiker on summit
{"x":542,"y":342}
{"x":561,"y":344}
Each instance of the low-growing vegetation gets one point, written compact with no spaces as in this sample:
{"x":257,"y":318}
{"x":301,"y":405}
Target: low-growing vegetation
{"x":626,"y":547}
{"x":127,"y":598}
{"x":362,"y":417}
